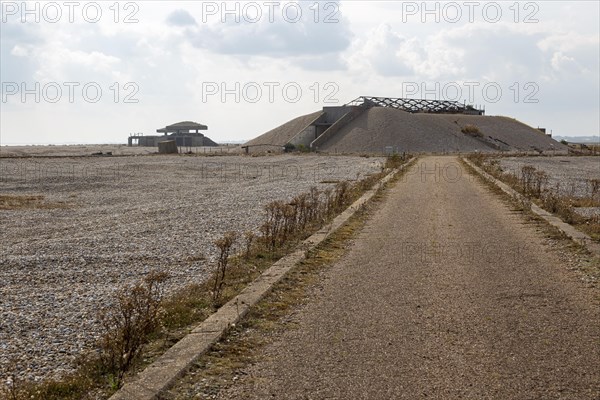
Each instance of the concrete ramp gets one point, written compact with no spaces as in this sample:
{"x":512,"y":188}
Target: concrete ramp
{"x":339,"y":124}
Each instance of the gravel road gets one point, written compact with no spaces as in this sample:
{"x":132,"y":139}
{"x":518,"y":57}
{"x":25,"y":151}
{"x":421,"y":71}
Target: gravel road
{"x":446,"y":293}
{"x":118,"y":219}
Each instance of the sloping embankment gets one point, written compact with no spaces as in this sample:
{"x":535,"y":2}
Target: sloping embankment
{"x":284,"y":133}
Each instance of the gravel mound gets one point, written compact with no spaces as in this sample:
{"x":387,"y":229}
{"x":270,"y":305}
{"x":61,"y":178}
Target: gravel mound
{"x":379,"y":127}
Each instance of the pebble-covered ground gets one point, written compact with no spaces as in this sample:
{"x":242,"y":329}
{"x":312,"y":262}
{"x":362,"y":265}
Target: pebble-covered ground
{"x":107,"y":221}
{"x":78,"y":150}
{"x":570,"y":175}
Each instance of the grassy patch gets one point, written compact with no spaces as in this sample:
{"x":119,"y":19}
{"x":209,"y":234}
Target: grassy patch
{"x":591,"y":228}
{"x":23,"y":202}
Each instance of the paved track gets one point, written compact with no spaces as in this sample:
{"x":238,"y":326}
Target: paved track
{"x":446,"y":293}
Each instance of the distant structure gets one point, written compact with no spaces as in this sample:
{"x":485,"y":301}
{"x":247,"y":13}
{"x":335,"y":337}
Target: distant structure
{"x":374,"y":125}
{"x":185,"y":134}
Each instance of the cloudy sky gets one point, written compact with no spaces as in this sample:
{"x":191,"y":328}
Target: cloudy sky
{"x":94,"y":72}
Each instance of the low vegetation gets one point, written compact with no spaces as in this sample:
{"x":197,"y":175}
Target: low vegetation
{"x":128,"y":325}
{"x":471,"y":130}
{"x":224,"y":246}
{"x":25,"y":202}
{"x":291,"y":148}
{"x":395,"y":161}
{"x":534,"y":185}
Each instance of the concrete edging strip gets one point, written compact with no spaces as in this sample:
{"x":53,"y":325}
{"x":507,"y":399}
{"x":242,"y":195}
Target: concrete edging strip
{"x":162,"y":374}
{"x":553,"y":220}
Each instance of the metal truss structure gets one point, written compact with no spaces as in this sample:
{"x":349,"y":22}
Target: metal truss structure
{"x":417,"y":105}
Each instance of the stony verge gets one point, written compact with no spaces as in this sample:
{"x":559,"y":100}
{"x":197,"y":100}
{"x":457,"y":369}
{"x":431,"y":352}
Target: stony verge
{"x":125,"y":217}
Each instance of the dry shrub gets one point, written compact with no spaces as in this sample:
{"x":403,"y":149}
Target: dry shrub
{"x":471,"y":130}
{"x":540,"y":180}
{"x":290,"y":222}
{"x":527,"y":177}
{"x":272,"y":227}
{"x":129,"y":323}
{"x":594,"y":185}
{"x":533,"y":184}
{"x":315,"y":207}
{"x":300,"y":204}
{"x":478,"y":159}
{"x":249,"y":238}
{"x":224,"y":245}
{"x":552,"y":203}
{"x":342,"y":195}
{"x":395,"y":160}
{"x":561,"y":206}
{"x":338,"y":198}
{"x":287,"y":221}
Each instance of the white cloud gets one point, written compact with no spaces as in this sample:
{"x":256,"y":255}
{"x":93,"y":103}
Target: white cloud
{"x":58,"y":63}
{"x":461,"y":52}
{"x":568,"y":41}
{"x":561,"y":62}
{"x":20,"y":51}
{"x":388,"y":52}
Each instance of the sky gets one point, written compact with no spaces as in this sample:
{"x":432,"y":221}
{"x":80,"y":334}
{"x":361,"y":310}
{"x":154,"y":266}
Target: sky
{"x":96,"y":72}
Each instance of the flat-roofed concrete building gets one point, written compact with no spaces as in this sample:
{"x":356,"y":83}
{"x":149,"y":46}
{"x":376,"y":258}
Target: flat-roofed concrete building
{"x":185,"y":134}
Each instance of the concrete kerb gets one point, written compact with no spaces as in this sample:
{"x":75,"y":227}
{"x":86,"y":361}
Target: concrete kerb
{"x":174,"y":363}
{"x":553,"y":220}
